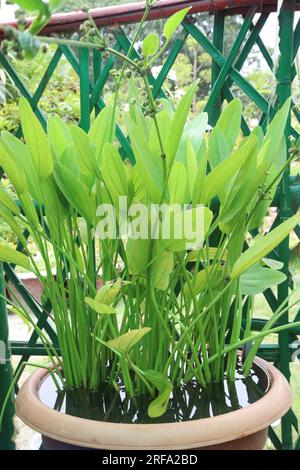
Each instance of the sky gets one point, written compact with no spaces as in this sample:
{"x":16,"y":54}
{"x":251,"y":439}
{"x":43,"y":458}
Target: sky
{"x":269,"y":33}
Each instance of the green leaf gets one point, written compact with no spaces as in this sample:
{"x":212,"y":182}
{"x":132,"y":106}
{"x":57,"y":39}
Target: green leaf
{"x":257,"y":279}
{"x":13,"y":171}
{"x":36,"y":140}
{"x":262,"y":245}
{"x":8,"y":202}
{"x":108,"y":293}
{"x":100,"y":308}
{"x":194,"y":223}
{"x":115,"y":174}
{"x":275,"y":131}
{"x":59,"y":135}
{"x":150,"y":44}
{"x":178,"y":123}
{"x":229,"y":123}
{"x":173,"y":22}
{"x":102,"y":130}
{"x":161,"y":267}
{"x":218,"y":147}
{"x":32,"y":5}
{"x":148,"y":163}
{"x":85,"y":152}
{"x":273,"y":263}
{"x":177,"y":184}
{"x":158,"y":406}
{"x":194,"y":131}
{"x":221,"y":175}
{"x":9,"y":255}
{"x":125,"y":342}
{"x":137,"y":252}
{"x":75,"y":192}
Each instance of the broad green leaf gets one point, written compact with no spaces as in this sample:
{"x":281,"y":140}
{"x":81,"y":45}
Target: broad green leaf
{"x":275,"y":131}
{"x":150,"y":44}
{"x":177,"y":184}
{"x":173,"y":22}
{"x":108,"y":292}
{"x":259,"y":134}
{"x":164,"y":122}
{"x":217,"y":179}
{"x":161,"y":267}
{"x":137,"y":252}
{"x":9,"y":255}
{"x":229,"y":123}
{"x":187,"y":228}
{"x":192,"y":168}
{"x":194,"y":131}
{"x":241,"y":192}
{"x":85,"y":152}
{"x":272,"y":263}
{"x":115,"y":175}
{"x":257,"y":279}
{"x":36,"y":140}
{"x":19,"y":153}
{"x":100,"y":308}
{"x":29,"y":209}
{"x":124,"y":343}
{"x":32,"y":5}
{"x":262,"y":245}
{"x":75,"y":192}
{"x":148,"y":164}
{"x":13,"y":171}
{"x":159,"y":405}
{"x":59,"y":135}
{"x":103,"y":130}
{"x":7,"y":201}
{"x":178,"y":123}
{"x":218,"y":147}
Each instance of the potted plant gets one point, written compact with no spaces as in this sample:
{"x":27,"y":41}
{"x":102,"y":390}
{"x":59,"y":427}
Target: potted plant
{"x":148,"y":272}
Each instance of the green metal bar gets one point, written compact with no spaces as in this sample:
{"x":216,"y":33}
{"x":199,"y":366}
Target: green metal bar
{"x":283,"y":76}
{"x":172,"y":56}
{"x":252,"y":39}
{"x":7,"y":429}
{"x":126,"y":147}
{"x":20,"y":348}
{"x":97,"y":66}
{"x":217,"y":87}
{"x":43,"y":83}
{"x":85,"y":121}
{"x":218,"y":40}
{"x":219,"y":58}
{"x":102,"y":78}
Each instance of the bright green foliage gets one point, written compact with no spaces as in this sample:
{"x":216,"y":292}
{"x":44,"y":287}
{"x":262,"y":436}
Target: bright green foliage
{"x":167,"y":302}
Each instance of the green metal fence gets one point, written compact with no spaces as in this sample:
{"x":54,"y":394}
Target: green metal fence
{"x":226,"y":72}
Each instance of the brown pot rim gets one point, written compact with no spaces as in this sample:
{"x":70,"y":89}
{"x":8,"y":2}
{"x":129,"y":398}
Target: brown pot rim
{"x":165,"y":436}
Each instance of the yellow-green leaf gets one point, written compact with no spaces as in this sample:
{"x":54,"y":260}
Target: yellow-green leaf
{"x":9,"y":255}
{"x":100,"y":308}
{"x":36,"y":140}
{"x":262,"y":245}
{"x":125,"y":342}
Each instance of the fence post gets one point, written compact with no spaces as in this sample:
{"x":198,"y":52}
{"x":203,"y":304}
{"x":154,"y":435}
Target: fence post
{"x":283,"y":91}
{"x":7,"y":428}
